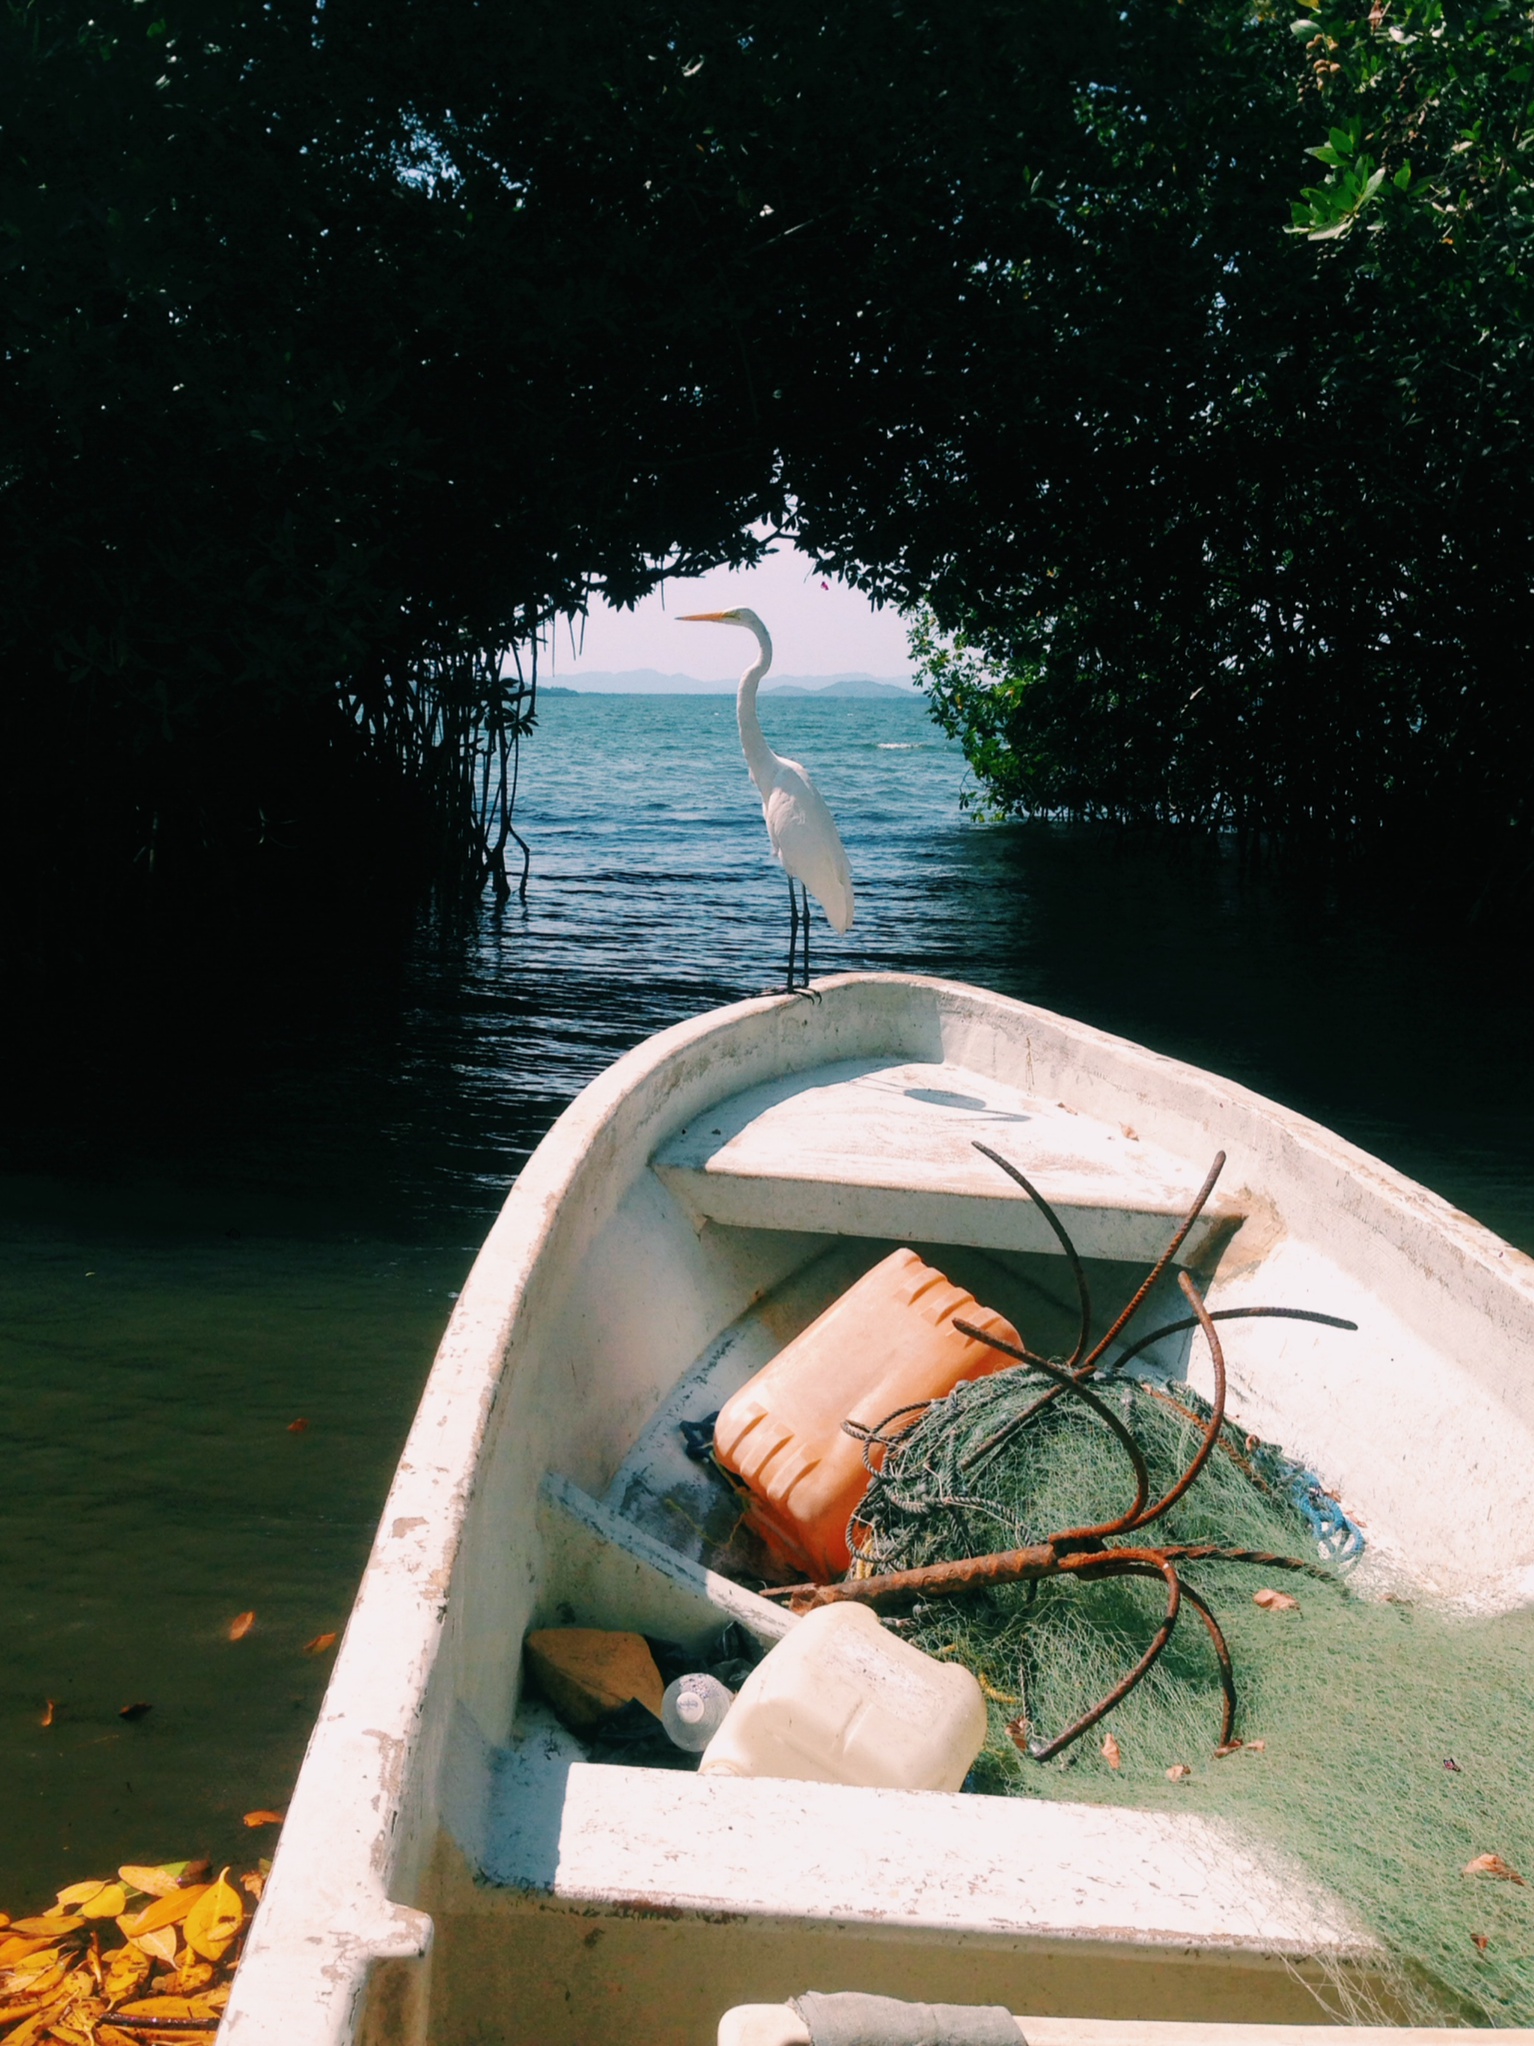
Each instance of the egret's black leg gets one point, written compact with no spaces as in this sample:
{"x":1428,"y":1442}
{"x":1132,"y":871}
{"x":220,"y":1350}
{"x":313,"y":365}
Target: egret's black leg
{"x":793,"y":934}
{"x":803,"y":987}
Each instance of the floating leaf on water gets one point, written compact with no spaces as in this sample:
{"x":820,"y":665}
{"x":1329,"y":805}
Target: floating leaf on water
{"x":16,"y":1951}
{"x":264,"y":1818}
{"x":1452,"y":1766}
{"x":253,"y":1884}
{"x":32,"y":2029}
{"x":1275,"y":1601}
{"x":1177,"y":1772}
{"x":190,"y":1977}
{"x":241,"y":1625}
{"x":109,"y":1902}
{"x":166,"y":1910}
{"x":50,"y":1712}
{"x":81,"y":1893}
{"x":1492,"y":1865}
{"x":198,"y":2008}
{"x":319,"y":1644}
{"x":136,"y":1710}
{"x":126,"y":1970}
{"x":1113,"y":1754}
{"x":36,"y":1978}
{"x":297,"y":1427}
{"x":160,"y":1944}
{"x":215,"y":1919}
{"x":156,"y":1881}
{"x":1480,"y":1940}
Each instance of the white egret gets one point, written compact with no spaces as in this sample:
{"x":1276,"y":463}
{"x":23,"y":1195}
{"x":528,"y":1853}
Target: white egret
{"x":805,"y":840}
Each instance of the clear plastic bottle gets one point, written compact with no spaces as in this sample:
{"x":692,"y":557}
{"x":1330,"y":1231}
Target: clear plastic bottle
{"x":842,"y":1700}
{"x":693,"y":1710}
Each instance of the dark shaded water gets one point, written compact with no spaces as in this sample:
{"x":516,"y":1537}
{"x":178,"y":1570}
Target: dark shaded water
{"x":268,"y":1222}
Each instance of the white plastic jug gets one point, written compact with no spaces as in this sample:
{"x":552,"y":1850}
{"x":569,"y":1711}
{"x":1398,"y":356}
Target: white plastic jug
{"x":842,"y":1700}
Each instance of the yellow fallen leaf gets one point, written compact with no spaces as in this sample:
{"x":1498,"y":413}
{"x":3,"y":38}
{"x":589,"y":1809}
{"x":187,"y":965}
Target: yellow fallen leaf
{"x":264,"y":1818}
{"x":1177,"y":1772}
{"x":167,"y":1910}
{"x":319,"y":1644}
{"x":14,"y":1949}
{"x":196,"y":2007}
{"x":215,"y":1919}
{"x":52,"y":1925}
{"x":160,"y":1944}
{"x":1113,"y":1754}
{"x":81,"y":1893}
{"x":32,"y":2028}
{"x":127,"y":1969}
{"x":1275,"y":1601}
{"x":189,"y":1978}
{"x":4,"y":1921}
{"x":241,"y":1625}
{"x":157,"y":1881}
{"x":10,"y":2012}
{"x":24,"y":1995}
{"x":1492,"y":1865}
{"x":110,"y":1902}
{"x":72,"y":2027}
{"x":41,"y":1954}
{"x":253,"y":1884}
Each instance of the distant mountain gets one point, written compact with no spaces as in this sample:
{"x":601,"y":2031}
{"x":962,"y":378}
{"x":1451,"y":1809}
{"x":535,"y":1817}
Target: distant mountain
{"x":651,"y":682}
{"x":848,"y":685}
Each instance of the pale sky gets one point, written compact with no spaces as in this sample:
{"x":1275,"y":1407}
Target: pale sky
{"x":816,"y":630}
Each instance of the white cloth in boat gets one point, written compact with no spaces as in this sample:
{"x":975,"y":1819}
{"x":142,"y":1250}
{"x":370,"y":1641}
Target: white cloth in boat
{"x":851,"y":2019}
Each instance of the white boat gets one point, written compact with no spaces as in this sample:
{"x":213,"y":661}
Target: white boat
{"x":453,"y":1870}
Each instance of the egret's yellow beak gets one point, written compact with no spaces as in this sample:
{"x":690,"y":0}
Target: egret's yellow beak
{"x":705,"y":618}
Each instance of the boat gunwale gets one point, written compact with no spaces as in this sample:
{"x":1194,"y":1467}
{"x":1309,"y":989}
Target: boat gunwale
{"x":328,"y":1915}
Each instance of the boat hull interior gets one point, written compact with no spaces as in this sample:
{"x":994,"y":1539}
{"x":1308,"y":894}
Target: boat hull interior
{"x":454,"y":1867}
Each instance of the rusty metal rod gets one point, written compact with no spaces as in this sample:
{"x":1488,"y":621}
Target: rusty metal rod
{"x":1066,"y":1381}
{"x":1043,"y":1751}
{"x":1163,"y":1261}
{"x":1217,"y":1640}
{"x":1078,"y":1269}
{"x":1009,"y":1428}
{"x":1176,"y":1328}
{"x":1216,"y":1418}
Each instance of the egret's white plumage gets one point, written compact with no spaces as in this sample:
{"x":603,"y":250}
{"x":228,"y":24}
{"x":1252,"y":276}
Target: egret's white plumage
{"x":803,"y":835}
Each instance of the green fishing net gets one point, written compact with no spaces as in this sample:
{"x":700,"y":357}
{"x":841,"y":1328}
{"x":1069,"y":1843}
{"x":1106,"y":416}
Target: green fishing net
{"x":1395,"y":1737}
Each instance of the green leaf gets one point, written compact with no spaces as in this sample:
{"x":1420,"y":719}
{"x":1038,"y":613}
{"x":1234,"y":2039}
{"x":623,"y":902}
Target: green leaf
{"x":1402,"y":177}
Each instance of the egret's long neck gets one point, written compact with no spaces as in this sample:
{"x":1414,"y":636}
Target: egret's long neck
{"x":760,"y":758}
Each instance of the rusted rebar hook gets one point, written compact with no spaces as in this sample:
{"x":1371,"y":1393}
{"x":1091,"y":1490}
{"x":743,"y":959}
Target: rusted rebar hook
{"x":1082,"y":1552}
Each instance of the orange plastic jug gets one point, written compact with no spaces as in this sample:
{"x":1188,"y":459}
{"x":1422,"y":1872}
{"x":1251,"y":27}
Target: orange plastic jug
{"x":888,"y":1342}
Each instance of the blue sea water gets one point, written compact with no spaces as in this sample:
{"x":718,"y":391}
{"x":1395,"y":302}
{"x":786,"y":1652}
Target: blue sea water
{"x":198,"y":1254}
